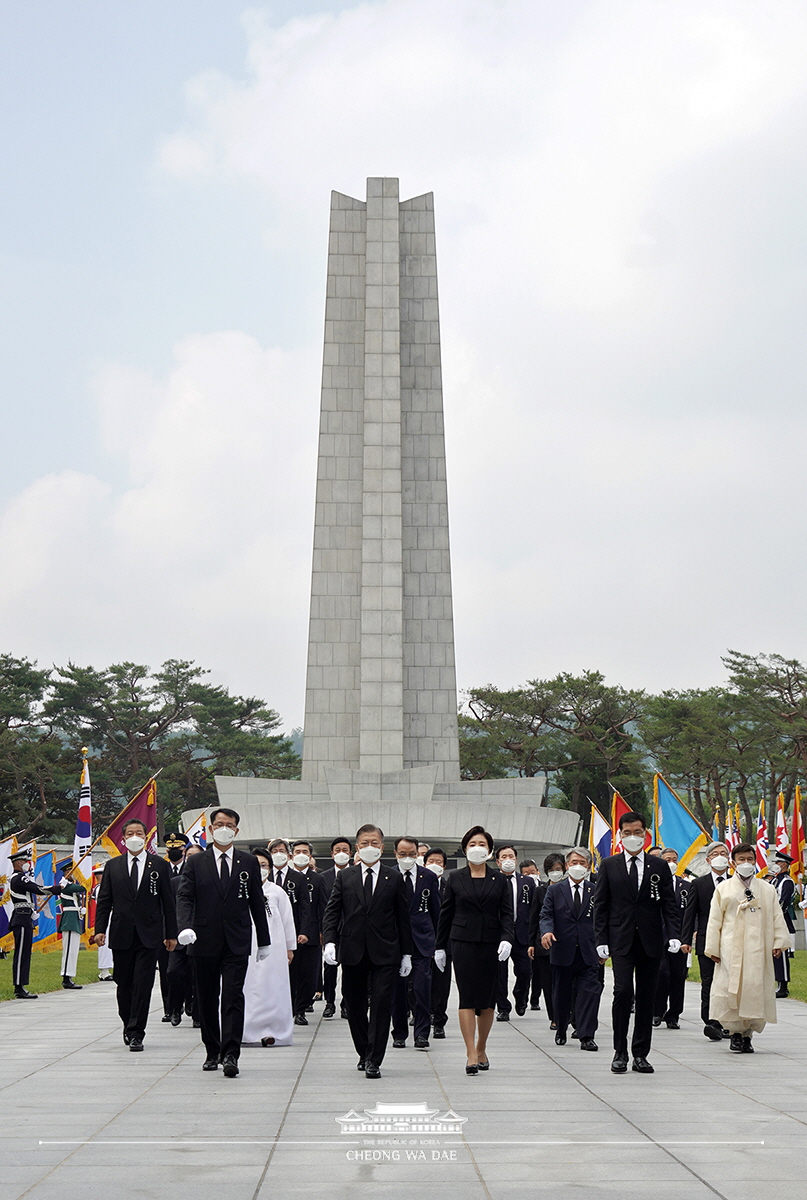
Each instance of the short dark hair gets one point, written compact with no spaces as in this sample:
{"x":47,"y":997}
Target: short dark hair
{"x":259,"y":852}
{"x":472,"y":832}
{"x":506,"y":846}
{"x":553,"y":858}
{"x":303,"y":842}
{"x":280,"y":842}
{"x":337,"y":841}
{"x":629,"y":817}
{"x":135,"y":821}
{"x":228,"y":812}
{"x":369,"y":829}
{"x":652,"y":848}
{"x":527,"y":862}
{"x":405,"y":838}
{"x":742,"y":848}
{"x":437,"y":850}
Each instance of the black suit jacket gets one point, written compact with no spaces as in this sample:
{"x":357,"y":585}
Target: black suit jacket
{"x":696,"y":913}
{"x":619,"y":915}
{"x":557,"y":916}
{"x":681,"y":891}
{"x":525,"y":896}
{"x":424,"y":910}
{"x":222,"y":919}
{"x":538,"y":901}
{"x":475,"y":911}
{"x":381,"y":929}
{"x":151,"y":911}
{"x":308,"y":896}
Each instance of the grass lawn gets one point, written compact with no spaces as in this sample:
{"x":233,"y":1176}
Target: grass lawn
{"x":798,"y":975}
{"x":45,"y":975}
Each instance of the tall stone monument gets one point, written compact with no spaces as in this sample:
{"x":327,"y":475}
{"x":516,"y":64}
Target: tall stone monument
{"x":380,"y":736}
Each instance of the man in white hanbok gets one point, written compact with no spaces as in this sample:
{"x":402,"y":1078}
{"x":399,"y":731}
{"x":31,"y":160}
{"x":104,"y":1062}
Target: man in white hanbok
{"x":268,"y":1018}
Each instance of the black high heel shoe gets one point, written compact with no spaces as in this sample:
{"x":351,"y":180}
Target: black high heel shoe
{"x":484,"y":1066}
{"x":471,"y":1069}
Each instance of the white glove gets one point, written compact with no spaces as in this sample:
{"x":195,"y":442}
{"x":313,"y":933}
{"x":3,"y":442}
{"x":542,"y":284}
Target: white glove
{"x":82,"y":912}
{"x":504,"y":951}
{"x":674,"y":946}
{"x":63,"y":883}
{"x":406,"y":965}
{"x":330,"y":954}
{"x":602,"y":952}
{"x":187,"y":937}
{"x":263,"y":952}
{"x":440,"y":960}
{"x":803,"y":904}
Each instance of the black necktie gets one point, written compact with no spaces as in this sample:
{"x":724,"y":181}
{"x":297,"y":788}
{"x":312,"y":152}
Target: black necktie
{"x":225,"y":871}
{"x":633,"y":871}
{"x":133,"y":874}
{"x":368,"y":886}
{"x":719,"y":879}
{"x":577,"y":899}
{"x":410,"y":887}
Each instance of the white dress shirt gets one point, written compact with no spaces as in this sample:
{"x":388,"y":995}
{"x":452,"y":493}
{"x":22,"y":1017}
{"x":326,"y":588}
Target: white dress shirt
{"x":140,"y":859}
{"x":640,"y":861}
{"x":374,"y":869}
{"x":220,"y":854}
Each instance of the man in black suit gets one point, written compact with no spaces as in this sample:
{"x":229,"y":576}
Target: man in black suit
{"x":522,"y":888}
{"x":181,"y":993}
{"x":633,"y":906}
{"x":340,"y":854}
{"x":307,"y":894}
{"x":136,"y":891}
{"x":219,"y":897}
{"x":423,"y":891}
{"x":369,"y":913}
{"x":436,"y":861}
{"x":672,"y":976}
{"x":567,"y":932}
{"x":696,"y":918}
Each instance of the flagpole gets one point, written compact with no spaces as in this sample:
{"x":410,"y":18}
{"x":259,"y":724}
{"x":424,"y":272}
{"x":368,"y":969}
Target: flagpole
{"x":101,"y":836}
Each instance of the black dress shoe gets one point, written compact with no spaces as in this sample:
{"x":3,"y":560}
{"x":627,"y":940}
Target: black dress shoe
{"x":656,"y":1022}
{"x":229,"y":1065}
{"x":520,"y":1010}
{"x":197,"y":1024}
{"x":301,"y":1019}
{"x":673,"y":1025}
{"x":438,"y":1032}
{"x":398,"y":1043}
{"x":725,"y":1034}
{"x":329,"y":1010}
{"x":747,"y":1047}
{"x":188,"y":1010}
{"x":21,"y":994}
{"x":210,"y":1064}
{"x":473,"y":1069}
{"x":69,"y":986}
{"x":642,"y":1066}
{"x":620,"y":1064}
{"x":136,"y":1044}
{"x":165,"y":1018}
{"x":421,"y":1043}
{"x":126,"y":1038}
{"x":736,"y":1043}
{"x":502,"y":1016}
{"x":560,"y":1039}
{"x":535,"y":1008}
{"x":781,"y":992}
{"x":343,"y":1013}
{"x":588,"y":1044}
{"x":176,"y":1018}
{"x":361,"y":1064}
{"x":310,"y":1008}
{"x":713,"y":1034}
{"x":372,"y":1070}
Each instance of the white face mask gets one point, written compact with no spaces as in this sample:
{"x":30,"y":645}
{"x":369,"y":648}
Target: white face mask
{"x":406,"y":864}
{"x":437,"y":868}
{"x":301,"y":860}
{"x":554,"y":876}
{"x":774,"y":869}
{"x":633,"y":842}
{"x":746,"y":869}
{"x":508,"y":865}
{"x":419,"y":860}
{"x":719,"y":863}
{"x":672,"y":865}
{"x":369,"y":855}
{"x":135,"y":844}
{"x":264,"y":873}
{"x":578,"y":872}
{"x":224,"y":835}
{"x":477,"y":854}
{"x":279,"y":859}
{"x":341,"y":859}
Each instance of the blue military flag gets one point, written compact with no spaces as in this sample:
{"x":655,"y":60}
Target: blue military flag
{"x":676,"y":827}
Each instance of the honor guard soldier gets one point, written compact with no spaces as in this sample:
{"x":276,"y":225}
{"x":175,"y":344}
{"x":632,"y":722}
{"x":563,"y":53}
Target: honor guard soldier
{"x":779,"y":877}
{"x":23,"y":887}
{"x":70,"y":927}
{"x":175,"y":847}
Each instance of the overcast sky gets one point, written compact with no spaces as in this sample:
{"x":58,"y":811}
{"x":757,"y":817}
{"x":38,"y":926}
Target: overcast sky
{"x":620,"y":204}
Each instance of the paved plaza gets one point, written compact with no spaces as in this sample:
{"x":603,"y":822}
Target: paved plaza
{"x":83,"y":1118}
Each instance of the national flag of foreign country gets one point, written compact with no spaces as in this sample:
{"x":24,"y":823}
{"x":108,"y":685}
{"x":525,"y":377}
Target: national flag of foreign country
{"x":797,"y":843}
{"x":618,"y":807}
{"x":762,"y":838}
{"x":143,"y":807}
{"x":197,"y":832}
{"x":599,"y":836}
{"x":46,"y":936}
{"x":82,"y":862}
{"x":7,"y":848}
{"x":732,"y":828}
{"x":676,"y":828}
{"x":782,"y":840}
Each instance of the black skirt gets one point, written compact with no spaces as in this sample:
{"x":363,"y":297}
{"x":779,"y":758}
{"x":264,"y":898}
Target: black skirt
{"x":476,"y":971}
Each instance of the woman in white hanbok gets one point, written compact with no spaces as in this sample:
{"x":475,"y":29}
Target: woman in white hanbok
{"x":268,"y":1017}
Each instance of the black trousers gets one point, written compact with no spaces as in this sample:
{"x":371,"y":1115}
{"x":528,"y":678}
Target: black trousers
{"x":522,"y":966}
{"x":134,"y":980}
{"x":21,"y":967}
{"x":369,"y":1034}
{"x":220,"y":978}
{"x":581,"y":983}
{"x":672,"y":976}
{"x":303,"y":976}
{"x":542,"y":971}
{"x":421,"y":982}
{"x":181,"y":994}
{"x":441,"y":986}
{"x":781,"y":968}
{"x":641,"y":967}
{"x":707,"y":967}
{"x":162,"y":967}
{"x":329,"y":975}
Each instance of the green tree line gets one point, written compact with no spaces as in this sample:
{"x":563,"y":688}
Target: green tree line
{"x":134,"y":722}
{"x":741,"y":743}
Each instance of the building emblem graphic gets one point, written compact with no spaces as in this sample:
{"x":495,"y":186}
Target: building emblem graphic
{"x":401,"y":1118}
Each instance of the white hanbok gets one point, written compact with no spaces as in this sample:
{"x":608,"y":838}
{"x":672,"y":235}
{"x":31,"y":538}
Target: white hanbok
{"x":267,"y":994}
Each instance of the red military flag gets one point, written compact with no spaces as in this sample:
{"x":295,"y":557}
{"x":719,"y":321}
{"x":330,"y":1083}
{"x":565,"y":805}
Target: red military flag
{"x":143,"y":807}
{"x":618,"y":807}
{"x":797,"y":841}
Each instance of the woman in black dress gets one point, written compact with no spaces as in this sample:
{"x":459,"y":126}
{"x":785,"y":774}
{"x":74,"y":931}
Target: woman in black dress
{"x":476,"y":924}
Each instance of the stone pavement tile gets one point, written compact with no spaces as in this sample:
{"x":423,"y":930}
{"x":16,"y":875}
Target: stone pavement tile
{"x":376,"y":1188}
